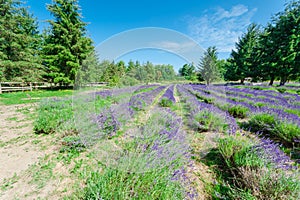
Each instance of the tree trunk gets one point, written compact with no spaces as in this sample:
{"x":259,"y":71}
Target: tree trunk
{"x":283,"y":80}
{"x":271,"y":81}
{"x":242,"y":81}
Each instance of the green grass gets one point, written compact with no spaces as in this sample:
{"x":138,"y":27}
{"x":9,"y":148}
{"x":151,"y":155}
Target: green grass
{"x":23,"y":97}
{"x":284,"y":131}
{"x":244,"y":174}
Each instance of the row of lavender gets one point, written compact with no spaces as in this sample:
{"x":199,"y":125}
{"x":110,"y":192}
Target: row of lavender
{"x":290,"y":104}
{"x":275,"y":122}
{"x":158,"y":145}
{"x":242,"y":154}
{"x":233,"y":98}
{"x":207,"y":117}
{"x":106,"y":121}
{"x":196,"y":107}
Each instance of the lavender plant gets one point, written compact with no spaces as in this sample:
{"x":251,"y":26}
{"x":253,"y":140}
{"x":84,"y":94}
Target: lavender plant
{"x":207,"y":117}
{"x":260,"y":167}
{"x":150,"y":166}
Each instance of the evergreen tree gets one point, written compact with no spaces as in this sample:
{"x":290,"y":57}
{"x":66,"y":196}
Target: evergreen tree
{"x":66,"y":46}
{"x":188,"y":71}
{"x":19,"y":43}
{"x":90,"y":71}
{"x":208,"y":65}
{"x":286,"y":38}
{"x":242,"y":60}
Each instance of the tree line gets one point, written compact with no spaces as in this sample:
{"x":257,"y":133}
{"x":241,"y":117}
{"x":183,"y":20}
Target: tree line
{"x":54,"y":55}
{"x":62,"y":53}
{"x":120,"y":73}
{"x":262,"y":53}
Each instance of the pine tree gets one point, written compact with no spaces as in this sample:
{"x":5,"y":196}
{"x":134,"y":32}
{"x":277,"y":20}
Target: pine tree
{"x":66,"y":46}
{"x":19,"y":43}
{"x":242,"y":59}
{"x":208,"y":65}
{"x":286,"y":38}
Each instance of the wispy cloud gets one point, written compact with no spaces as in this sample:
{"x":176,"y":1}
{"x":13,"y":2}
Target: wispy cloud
{"x":220,"y":27}
{"x":176,"y":46}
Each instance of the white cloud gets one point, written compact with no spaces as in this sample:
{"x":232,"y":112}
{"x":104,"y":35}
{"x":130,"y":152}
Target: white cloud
{"x":220,"y":27}
{"x":175,"y":46}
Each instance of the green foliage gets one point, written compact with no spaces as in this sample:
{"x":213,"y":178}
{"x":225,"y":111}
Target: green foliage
{"x":253,"y":176}
{"x":208,"y":66}
{"x":271,"y":54}
{"x":129,"y":81}
{"x":241,"y":64}
{"x":285,"y":131}
{"x":118,"y":184}
{"x":281,"y":90}
{"x":188,"y":72}
{"x":134,"y":73}
{"x":237,"y":152}
{"x":238,"y":111}
{"x":19,"y":43}
{"x":90,"y":71}
{"x":208,"y":121}
{"x":209,"y":100}
{"x":165,"y":102}
{"x":52,"y":115}
{"x":65,"y":46}
{"x":113,"y":73}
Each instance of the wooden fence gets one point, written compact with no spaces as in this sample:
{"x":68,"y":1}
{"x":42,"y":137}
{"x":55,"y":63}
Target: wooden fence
{"x":23,"y":86}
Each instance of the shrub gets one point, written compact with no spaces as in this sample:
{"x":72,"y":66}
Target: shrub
{"x":205,"y":99}
{"x":205,"y":120}
{"x":238,"y":111}
{"x":52,"y":114}
{"x":253,"y":172}
{"x":285,"y":131}
{"x":165,"y":102}
{"x":281,"y":90}
{"x":261,"y":122}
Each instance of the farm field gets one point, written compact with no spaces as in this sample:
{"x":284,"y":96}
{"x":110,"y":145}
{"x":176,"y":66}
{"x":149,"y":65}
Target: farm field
{"x":178,"y":141}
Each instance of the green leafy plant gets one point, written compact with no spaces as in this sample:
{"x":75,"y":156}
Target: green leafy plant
{"x":208,"y":121}
{"x":164,"y":102}
{"x":52,"y":114}
{"x":281,"y":90}
{"x":238,"y":111}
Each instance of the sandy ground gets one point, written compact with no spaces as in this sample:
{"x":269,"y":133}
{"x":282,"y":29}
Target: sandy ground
{"x":20,"y":149}
{"x":16,"y":147}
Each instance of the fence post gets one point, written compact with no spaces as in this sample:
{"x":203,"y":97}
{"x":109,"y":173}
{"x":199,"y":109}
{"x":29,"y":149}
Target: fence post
{"x":30,"y":86}
{"x":0,"y":89}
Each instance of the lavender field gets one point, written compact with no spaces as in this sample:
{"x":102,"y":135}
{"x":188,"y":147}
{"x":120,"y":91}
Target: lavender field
{"x":178,"y":141}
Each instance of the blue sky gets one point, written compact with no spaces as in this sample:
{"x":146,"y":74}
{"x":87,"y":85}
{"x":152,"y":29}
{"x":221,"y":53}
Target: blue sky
{"x":209,"y":22}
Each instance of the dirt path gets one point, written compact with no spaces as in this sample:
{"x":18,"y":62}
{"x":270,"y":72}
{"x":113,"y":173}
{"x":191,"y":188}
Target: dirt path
{"x":16,"y":142}
{"x":21,"y":152}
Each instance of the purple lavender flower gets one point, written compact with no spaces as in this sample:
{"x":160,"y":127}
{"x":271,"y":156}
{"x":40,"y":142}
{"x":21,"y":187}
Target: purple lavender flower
{"x":271,"y":153}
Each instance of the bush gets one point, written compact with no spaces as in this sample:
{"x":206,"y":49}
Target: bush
{"x":205,"y":99}
{"x":165,"y":102}
{"x":129,"y":81}
{"x":205,"y":120}
{"x":254,"y":176}
{"x":261,"y":122}
{"x":285,"y":131}
{"x":52,"y":114}
{"x":281,"y":90}
{"x":238,"y":111}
